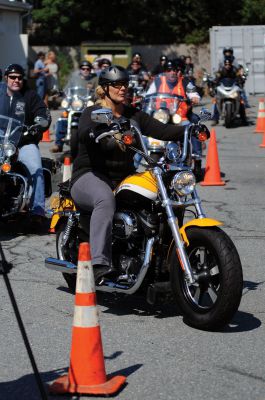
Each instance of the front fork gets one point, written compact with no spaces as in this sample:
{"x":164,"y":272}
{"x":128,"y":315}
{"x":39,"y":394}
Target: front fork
{"x":181,"y":253}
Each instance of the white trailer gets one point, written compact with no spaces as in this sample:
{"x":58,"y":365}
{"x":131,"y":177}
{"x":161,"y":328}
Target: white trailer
{"x":248,"y":42}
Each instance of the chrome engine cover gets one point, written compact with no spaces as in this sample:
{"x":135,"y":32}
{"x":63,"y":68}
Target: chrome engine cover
{"x":124,"y":224}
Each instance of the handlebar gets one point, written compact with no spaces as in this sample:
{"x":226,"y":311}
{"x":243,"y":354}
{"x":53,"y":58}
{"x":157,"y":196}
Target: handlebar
{"x":105,"y":134}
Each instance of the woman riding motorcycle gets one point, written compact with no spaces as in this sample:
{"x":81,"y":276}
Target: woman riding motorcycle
{"x":97,"y":165}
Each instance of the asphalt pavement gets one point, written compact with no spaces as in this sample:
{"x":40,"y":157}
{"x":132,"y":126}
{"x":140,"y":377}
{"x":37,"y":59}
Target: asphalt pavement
{"x":161,"y":357}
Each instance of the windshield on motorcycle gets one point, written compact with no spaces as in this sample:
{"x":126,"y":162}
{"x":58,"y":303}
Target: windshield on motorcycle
{"x":153,"y":102}
{"x":10,"y":130}
{"x":77,"y":92}
{"x":228,"y":82}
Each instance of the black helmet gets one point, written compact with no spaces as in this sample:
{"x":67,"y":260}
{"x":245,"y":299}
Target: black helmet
{"x":179,"y":64}
{"x":163,"y":58}
{"x":169,"y":65}
{"x":14,"y":68}
{"x":228,"y":49}
{"x":114,"y":73}
{"x":104,"y":61}
{"x":85,"y":63}
{"x":228,"y":60}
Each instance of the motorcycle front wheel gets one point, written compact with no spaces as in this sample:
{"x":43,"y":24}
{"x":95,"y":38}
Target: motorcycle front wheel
{"x":228,"y":115}
{"x":68,"y":252}
{"x":211,"y":302}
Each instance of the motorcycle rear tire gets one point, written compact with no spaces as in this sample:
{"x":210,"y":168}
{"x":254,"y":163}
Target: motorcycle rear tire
{"x":69,"y":254}
{"x":211,"y":303}
{"x":228,"y":115}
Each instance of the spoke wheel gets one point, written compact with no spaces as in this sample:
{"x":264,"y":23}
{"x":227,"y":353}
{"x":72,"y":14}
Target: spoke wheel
{"x":211,"y":301}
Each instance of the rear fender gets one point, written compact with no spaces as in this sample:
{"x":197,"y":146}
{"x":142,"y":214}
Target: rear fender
{"x":64,"y":206}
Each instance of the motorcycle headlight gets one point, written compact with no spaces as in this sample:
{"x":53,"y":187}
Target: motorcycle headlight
{"x":234,"y":95}
{"x":9,"y":149}
{"x":184,"y":183}
{"x":161,"y":115}
{"x":176,"y":119}
{"x":77,"y":104}
{"x":65,"y":103}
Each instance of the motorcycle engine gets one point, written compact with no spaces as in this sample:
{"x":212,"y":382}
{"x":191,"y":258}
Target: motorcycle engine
{"x":124,"y":225}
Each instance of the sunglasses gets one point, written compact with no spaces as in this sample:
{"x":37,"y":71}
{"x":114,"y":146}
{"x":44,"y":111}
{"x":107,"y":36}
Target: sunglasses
{"x":119,"y":85}
{"x":14,"y":77}
{"x":85,"y":69}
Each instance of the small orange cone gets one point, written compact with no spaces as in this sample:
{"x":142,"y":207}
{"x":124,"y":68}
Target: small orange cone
{"x":67,"y":168}
{"x":260,"y":124}
{"x":212,"y":175}
{"x":46,"y":136}
{"x":86,"y":373}
{"x":263,"y":139}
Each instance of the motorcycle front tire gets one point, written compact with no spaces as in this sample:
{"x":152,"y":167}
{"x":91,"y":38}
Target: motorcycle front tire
{"x":70,"y":253}
{"x":211,"y":302}
{"x":228,"y":115}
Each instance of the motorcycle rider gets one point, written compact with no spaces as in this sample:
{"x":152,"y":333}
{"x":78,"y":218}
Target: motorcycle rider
{"x":20,"y":102}
{"x":83,"y":78}
{"x":97,"y":165}
{"x":160,"y":68}
{"x":173,"y":82}
{"x":228,"y":71}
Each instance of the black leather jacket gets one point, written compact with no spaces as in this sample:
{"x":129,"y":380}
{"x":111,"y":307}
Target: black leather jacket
{"x":105,"y":157}
{"x":25,"y":106}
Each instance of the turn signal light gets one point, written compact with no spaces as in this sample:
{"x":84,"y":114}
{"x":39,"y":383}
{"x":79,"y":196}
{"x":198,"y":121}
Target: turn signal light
{"x":6,"y":167}
{"x":127,"y":139}
{"x":202,"y":136}
{"x":65,"y":114}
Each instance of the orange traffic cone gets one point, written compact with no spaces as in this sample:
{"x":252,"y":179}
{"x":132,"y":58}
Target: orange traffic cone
{"x":260,"y":124}
{"x":86,"y":373}
{"x":212,"y":175}
{"x":46,"y":136}
{"x":67,"y":168}
{"x":263,"y":139}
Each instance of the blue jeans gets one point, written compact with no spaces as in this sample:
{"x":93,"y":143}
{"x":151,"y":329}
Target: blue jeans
{"x":60,"y":131}
{"x":41,"y":87}
{"x":29,"y":155}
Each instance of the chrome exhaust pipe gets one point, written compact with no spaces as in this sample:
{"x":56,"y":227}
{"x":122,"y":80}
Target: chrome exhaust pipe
{"x":60,"y":265}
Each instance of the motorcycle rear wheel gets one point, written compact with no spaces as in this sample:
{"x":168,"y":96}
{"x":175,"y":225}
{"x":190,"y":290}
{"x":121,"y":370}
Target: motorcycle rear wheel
{"x":69,"y":252}
{"x":228,"y":115}
{"x":211,"y":302}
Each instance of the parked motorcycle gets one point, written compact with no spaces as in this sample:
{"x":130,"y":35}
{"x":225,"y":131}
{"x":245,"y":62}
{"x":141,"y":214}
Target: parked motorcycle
{"x":157,"y":246}
{"x":229,"y":101}
{"x":75,"y":101}
{"x":15,"y":181}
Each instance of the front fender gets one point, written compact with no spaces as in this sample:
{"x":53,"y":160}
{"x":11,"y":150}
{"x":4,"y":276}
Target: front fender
{"x":62,"y":206}
{"x":202,"y":222}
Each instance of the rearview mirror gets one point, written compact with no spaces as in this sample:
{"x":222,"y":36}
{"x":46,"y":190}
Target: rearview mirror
{"x":102,"y":116}
{"x":41,"y":122}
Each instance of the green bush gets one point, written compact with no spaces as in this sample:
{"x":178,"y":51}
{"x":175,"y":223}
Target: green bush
{"x":65,"y":63}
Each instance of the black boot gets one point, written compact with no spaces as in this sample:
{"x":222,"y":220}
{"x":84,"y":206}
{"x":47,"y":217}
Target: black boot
{"x":100,"y":271}
{"x":198,"y":172}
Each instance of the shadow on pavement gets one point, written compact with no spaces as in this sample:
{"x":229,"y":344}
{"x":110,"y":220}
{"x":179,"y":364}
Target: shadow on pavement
{"x":25,"y":388}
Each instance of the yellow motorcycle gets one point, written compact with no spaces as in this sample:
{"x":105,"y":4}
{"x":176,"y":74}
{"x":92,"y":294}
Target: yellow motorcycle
{"x":162,"y":241}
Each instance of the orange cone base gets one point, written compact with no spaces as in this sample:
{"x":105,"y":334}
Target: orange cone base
{"x":262,"y":145}
{"x":111,"y":386}
{"x":219,"y":183}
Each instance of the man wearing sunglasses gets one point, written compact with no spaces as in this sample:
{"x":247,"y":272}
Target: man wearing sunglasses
{"x":19,"y":102}
{"x":82,"y":78}
{"x":173,"y":81}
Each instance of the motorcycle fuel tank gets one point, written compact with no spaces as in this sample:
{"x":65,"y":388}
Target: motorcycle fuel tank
{"x":137,"y":187}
